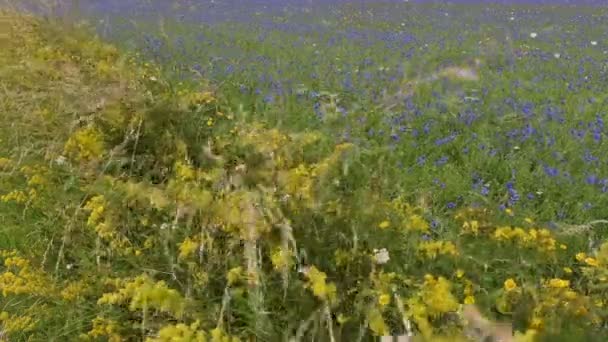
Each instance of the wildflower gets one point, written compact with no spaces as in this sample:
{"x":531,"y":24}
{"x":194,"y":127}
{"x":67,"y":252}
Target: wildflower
{"x":593,"y":42}
{"x":533,"y":35}
{"x":509,"y":211}
{"x":591,"y":262}
{"x":469,"y":300}
{"x":384,"y":224}
{"x":568,"y":270}
{"x":580,"y":256}
{"x":234,"y":275}
{"x":510,"y":284}
{"x":319,"y":286}
{"x":384,"y":299}
{"x":536,"y":323}
{"x":381,"y":256}
{"x":558,"y":283}
{"x":459,"y":273}
{"x":417,"y":222}
{"x":187,"y":248}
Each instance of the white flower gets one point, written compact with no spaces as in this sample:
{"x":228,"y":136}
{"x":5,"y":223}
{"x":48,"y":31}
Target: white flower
{"x":533,"y":35}
{"x":153,"y":78}
{"x":381,"y":256}
{"x":512,"y":18}
{"x":557,"y":55}
{"x":61,"y":160}
{"x":593,"y":42}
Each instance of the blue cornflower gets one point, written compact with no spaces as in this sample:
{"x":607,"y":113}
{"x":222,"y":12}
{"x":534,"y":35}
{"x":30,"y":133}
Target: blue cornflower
{"x":551,"y":171}
{"x":421,"y":160}
{"x":445,"y":140}
{"x":592,"y":179}
{"x":441,"y":161}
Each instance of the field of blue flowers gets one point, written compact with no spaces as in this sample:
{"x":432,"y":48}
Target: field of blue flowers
{"x":304,"y":170}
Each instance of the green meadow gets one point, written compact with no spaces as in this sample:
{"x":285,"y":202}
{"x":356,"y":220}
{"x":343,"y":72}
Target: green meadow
{"x":203,"y":171}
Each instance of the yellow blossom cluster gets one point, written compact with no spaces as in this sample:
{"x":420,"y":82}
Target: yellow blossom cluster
{"x":540,"y":239}
{"x":19,"y":277}
{"x":143,"y":293}
{"x":432,"y":249}
{"x":85,"y":144}
{"x":103,"y":327}
{"x":432,"y":301}
{"x":317,"y":283}
{"x":10,"y":324}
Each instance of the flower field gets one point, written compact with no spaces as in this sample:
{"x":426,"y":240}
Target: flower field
{"x":303,"y":171}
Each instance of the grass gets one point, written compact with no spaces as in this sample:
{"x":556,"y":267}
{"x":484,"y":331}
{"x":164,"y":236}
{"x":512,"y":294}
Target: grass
{"x":231,"y":181}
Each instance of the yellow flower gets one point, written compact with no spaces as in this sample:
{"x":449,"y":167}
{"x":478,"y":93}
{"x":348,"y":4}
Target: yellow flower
{"x":558,"y":283}
{"x":509,"y":211}
{"x":459,"y":273}
{"x":342,"y":319}
{"x":580,"y":256}
{"x":568,"y":270}
{"x":536,"y":323}
{"x":591,"y":262}
{"x":234,"y":275}
{"x":417,"y":222}
{"x":384,"y":299}
{"x":469,"y":300}
{"x":384,"y":224}
{"x":510,"y":284}
{"x":529,"y":220}
{"x":187,"y":248}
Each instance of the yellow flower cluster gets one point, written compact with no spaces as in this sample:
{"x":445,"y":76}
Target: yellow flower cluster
{"x":180,"y":333}
{"x":317,"y":282}
{"x":432,"y":249}
{"x":187,"y":248}
{"x":234,"y":275}
{"x":20,"y":278}
{"x":97,"y":206}
{"x":74,"y":290}
{"x":433,"y":300}
{"x":184,"y":172}
{"x":142,"y":293}
{"x":281,"y":258}
{"x":16,"y":196}
{"x":11,"y":324}
{"x":540,"y":239}
{"x":103,"y":327}
{"x":85,"y":144}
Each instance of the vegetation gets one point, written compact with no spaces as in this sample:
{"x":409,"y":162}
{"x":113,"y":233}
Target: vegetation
{"x":137,"y":204}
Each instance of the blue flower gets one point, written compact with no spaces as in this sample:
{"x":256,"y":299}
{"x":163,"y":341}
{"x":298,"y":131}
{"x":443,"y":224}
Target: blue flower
{"x":421,"y":160}
{"x":592,"y":179}
{"x":551,"y":171}
{"x":441,"y":161}
{"x":445,"y":140}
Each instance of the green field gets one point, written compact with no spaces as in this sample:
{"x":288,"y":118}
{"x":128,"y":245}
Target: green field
{"x":182,"y":171}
